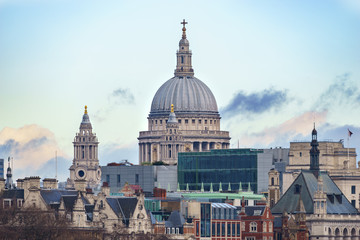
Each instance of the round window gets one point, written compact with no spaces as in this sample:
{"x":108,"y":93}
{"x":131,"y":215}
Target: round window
{"x":81,"y":173}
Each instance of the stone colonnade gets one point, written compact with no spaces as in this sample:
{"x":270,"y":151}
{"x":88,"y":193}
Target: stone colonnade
{"x":152,"y":152}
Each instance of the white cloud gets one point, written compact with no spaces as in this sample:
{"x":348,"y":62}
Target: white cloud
{"x":31,"y":146}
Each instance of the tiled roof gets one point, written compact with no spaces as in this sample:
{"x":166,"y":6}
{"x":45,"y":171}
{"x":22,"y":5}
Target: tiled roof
{"x":336,"y":202}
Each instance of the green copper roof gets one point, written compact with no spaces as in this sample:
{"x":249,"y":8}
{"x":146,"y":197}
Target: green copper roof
{"x":218,"y":195}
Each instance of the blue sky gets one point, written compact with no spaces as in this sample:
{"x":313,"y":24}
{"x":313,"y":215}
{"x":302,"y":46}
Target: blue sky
{"x":273,"y":66}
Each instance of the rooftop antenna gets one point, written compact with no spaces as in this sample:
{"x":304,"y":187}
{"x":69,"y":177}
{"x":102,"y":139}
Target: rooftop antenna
{"x":56,"y":165}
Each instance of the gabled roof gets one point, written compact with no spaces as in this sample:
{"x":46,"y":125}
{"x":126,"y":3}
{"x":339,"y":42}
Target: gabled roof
{"x":336,"y":202}
{"x":122,"y":206}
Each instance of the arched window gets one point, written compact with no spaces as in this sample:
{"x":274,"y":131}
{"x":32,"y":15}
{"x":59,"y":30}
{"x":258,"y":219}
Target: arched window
{"x":182,"y":59}
{"x":264,"y":227}
{"x":253,"y":227}
{"x":272,"y":181}
{"x":270,"y":227}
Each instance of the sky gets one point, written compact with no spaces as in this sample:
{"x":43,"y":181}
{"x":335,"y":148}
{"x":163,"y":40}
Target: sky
{"x":275,"y":67}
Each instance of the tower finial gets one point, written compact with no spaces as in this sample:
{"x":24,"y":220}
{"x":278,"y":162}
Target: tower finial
{"x":85,"y":110}
{"x":172,"y":108}
{"x":184,"y":29}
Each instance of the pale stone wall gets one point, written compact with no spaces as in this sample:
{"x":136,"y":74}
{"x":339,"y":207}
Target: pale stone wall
{"x":333,"y":155}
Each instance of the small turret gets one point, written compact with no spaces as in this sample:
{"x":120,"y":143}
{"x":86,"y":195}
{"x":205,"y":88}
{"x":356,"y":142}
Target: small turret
{"x":9,"y":181}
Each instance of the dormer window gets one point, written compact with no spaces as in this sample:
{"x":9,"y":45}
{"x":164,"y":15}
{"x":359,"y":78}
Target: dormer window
{"x":297,"y":189}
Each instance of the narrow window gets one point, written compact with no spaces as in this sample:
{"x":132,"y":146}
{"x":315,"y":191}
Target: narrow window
{"x":186,"y":121}
{"x":300,"y":154}
{"x":193,"y":121}
{"x":118,"y":180}
{"x":182,"y":59}
{"x":136,"y":178}
{"x":179,"y":121}
{"x":353,"y":189}
{"x":199,"y":121}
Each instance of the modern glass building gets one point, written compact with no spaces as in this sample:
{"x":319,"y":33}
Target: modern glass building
{"x":219,"y":168}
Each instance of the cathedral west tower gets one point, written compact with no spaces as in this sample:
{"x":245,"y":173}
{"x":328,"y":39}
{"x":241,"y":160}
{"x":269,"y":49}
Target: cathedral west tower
{"x":184,"y":116}
{"x":86,"y":162}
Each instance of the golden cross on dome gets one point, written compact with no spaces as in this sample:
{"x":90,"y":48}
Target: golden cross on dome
{"x":85,"y":110}
{"x":183,"y":23}
{"x":172,"y":108}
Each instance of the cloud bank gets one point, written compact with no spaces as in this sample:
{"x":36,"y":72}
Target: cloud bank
{"x":255,"y":103}
{"x":342,"y":91}
{"x":30,"y":146}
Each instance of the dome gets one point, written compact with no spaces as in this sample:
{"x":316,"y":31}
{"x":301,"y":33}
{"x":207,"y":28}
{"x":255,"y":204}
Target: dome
{"x":188,"y":94}
{"x":184,"y":42}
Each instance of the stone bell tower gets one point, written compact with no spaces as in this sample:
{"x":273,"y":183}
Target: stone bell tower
{"x":86,"y":162}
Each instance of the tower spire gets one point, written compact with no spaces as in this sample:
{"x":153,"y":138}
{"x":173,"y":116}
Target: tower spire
{"x":314,"y":153}
{"x":183,"y":56}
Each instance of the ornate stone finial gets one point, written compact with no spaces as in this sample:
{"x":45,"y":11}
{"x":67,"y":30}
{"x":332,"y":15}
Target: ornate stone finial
{"x":172,"y":108}
{"x":184,"y":29}
{"x":85,"y":110}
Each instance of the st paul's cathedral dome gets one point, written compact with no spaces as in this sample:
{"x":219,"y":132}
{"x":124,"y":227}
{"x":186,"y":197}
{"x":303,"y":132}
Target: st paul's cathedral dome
{"x":192,"y":104}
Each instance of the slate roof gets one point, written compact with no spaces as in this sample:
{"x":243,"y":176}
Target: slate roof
{"x":13,"y":193}
{"x":337,"y":203}
{"x":254,"y":210}
{"x":175,"y":220}
{"x":54,"y":195}
{"x":123,"y":207}
{"x":69,"y":202}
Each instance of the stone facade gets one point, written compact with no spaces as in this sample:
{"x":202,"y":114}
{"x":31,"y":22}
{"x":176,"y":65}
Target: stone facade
{"x":340,"y":162}
{"x":196,"y":126}
{"x":86,"y":162}
{"x":85,"y":210}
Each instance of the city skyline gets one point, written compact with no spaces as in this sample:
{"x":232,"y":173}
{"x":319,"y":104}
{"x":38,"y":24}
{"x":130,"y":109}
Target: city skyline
{"x":275,"y":68}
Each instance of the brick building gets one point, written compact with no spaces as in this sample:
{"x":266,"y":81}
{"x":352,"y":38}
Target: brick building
{"x":257,"y":223}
